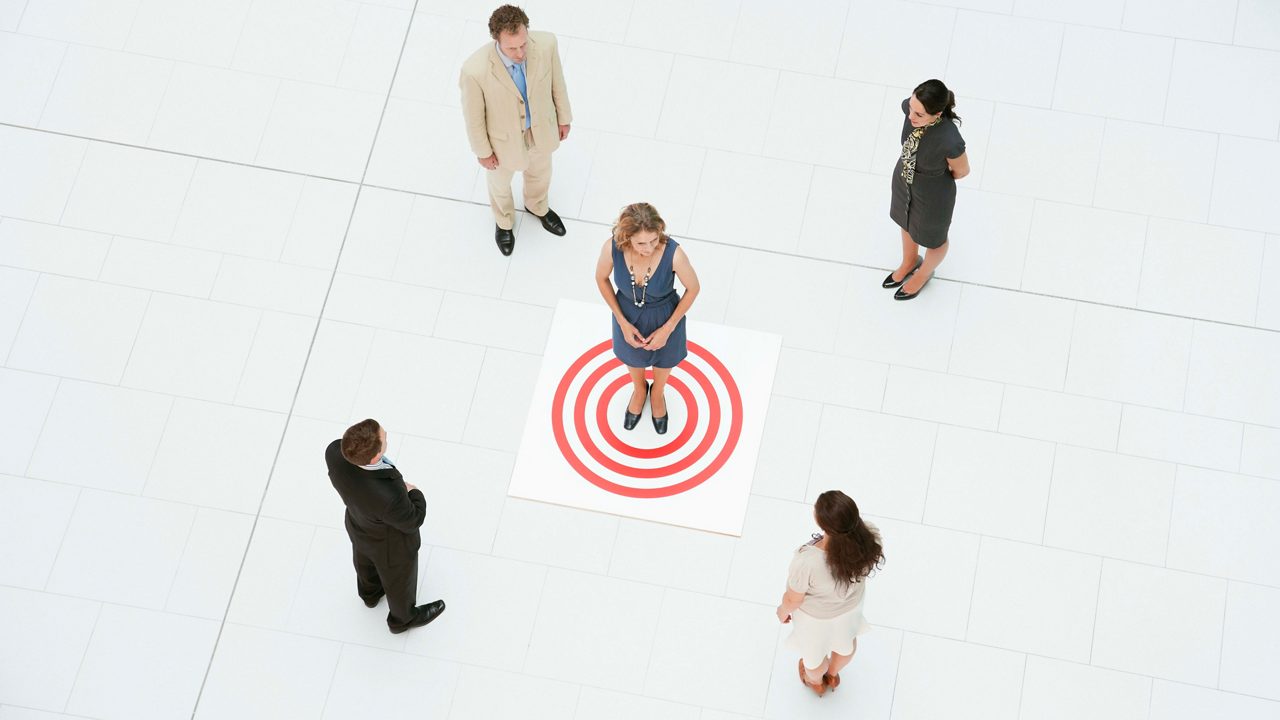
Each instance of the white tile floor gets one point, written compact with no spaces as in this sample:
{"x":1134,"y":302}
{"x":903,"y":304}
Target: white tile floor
{"x":229,"y":229}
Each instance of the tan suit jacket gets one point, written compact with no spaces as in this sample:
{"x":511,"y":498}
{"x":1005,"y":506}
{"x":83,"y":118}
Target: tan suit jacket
{"x":494,"y":110}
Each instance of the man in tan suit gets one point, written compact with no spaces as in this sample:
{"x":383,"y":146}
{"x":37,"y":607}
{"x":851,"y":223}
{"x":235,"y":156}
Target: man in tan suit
{"x":517,"y":111}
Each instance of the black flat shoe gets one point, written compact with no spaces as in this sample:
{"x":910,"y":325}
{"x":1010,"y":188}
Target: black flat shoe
{"x":422,"y":615}
{"x":630,"y":419}
{"x":506,"y":240}
{"x":900,"y":295}
{"x":372,"y":602}
{"x":552,"y":223}
{"x":889,"y":282}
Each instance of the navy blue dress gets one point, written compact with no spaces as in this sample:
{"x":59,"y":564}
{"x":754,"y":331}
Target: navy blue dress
{"x":660,"y":300}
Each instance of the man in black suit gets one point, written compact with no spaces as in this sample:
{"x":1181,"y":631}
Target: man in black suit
{"x":383,"y":516}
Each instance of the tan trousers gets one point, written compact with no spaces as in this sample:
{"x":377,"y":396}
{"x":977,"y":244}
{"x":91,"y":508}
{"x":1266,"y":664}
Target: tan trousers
{"x":537,"y":182}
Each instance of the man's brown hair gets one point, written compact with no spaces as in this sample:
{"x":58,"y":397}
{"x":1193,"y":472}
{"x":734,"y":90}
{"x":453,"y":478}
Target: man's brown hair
{"x":362,"y":442}
{"x":507,"y":19}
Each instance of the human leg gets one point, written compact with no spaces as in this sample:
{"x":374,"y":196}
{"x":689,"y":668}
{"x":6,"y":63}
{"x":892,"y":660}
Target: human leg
{"x":500,"y":198}
{"x":639,"y":390}
{"x":657,"y":400}
{"x":932,"y":259}
{"x":838,"y":663}
{"x":368,"y":583}
{"x":537,"y":182}
{"x":910,"y":254}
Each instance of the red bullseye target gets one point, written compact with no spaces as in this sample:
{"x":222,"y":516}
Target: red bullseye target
{"x":623,"y":470}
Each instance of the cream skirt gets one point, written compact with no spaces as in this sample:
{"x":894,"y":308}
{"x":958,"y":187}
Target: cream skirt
{"x":816,"y":638}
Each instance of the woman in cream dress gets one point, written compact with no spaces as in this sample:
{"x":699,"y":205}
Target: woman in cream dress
{"x":825,"y":588}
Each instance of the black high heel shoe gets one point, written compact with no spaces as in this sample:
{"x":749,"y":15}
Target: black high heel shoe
{"x":902,"y":294}
{"x":660,"y":423}
{"x":889,"y":282}
{"x":630,"y":419}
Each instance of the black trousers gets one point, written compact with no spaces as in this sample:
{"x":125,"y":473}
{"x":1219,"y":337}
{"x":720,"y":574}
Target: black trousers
{"x":391,"y":569}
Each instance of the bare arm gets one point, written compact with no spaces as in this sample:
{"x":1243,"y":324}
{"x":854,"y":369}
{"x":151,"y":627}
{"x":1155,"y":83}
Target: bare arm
{"x":790,"y":601}
{"x":684,"y":270}
{"x":959,"y":165}
{"x":604,"y":271}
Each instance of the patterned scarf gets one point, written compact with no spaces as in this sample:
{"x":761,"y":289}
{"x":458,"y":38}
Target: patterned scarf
{"x":909,"y":149}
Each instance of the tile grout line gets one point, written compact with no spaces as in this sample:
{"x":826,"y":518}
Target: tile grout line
{"x":1168,"y":531}
{"x":186,"y":545}
{"x":328,"y":691}
{"x":1142,"y":261}
{"x":244,"y":369}
{"x":897,"y":671}
{"x":26,"y":308}
{"x":84,"y":155}
{"x":134,"y":346}
{"x":80,"y":666}
{"x":475,"y":390}
{"x":1097,"y":602}
{"x":1071,"y":340}
{"x":844,"y":30}
{"x":271,"y":109}
{"x":75,"y":505}
{"x":1022,"y":686}
{"x":973,"y":588}
{"x":1168,"y":85}
{"x":928,"y":480}
{"x":168,"y":416}
{"x":56,"y":74}
{"x":1048,"y":497}
{"x":26,"y":470}
{"x":297,"y":388}
{"x":1222,"y":637}
{"x":1262,"y":263}
{"x":168,"y":83}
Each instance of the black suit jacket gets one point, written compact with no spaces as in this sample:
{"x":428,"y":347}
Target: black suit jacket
{"x":382,"y":519}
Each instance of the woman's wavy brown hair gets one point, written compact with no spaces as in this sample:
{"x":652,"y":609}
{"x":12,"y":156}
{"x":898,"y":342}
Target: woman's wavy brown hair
{"x":853,"y":548}
{"x":635,"y":218}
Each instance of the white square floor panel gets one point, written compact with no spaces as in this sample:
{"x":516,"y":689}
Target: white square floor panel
{"x":574,"y":451}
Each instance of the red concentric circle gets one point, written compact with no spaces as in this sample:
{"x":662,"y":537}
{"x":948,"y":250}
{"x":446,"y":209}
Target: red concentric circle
{"x":679,"y":441}
{"x":713,"y":412}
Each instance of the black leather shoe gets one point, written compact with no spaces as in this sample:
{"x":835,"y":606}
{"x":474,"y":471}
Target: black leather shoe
{"x":506,"y":240}
{"x":660,"y":424}
{"x":551,"y":222}
{"x":372,"y":602}
{"x":889,"y":282}
{"x":900,"y":295}
{"x":630,"y":419}
{"x":422,"y":615}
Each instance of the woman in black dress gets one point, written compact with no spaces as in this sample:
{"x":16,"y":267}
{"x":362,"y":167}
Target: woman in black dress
{"x":924,"y":184}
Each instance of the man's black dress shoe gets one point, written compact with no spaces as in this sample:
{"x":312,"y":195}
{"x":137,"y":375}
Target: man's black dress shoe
{"x":551,"y":222}
{"x":373,"y":601}
{"x":422,"y":615}
{"x":889,"y":282}
{"x":900,"y":295}
{"x":506,"y":240}
{"x":630,"y":419}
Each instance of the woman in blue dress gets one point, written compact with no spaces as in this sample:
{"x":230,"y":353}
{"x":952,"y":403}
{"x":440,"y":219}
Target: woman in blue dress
{"x":648,"y":312}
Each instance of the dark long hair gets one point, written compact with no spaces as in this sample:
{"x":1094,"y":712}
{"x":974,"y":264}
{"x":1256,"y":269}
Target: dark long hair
{"x":853,"y":549}
{"x":936,"y":98}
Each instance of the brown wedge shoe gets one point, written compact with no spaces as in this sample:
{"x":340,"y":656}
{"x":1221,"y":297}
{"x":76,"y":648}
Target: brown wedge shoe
{"x":831,"y":682}
{"x":817,"y":688}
